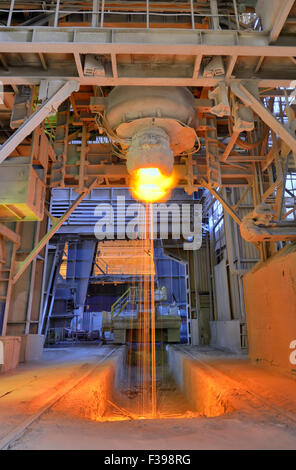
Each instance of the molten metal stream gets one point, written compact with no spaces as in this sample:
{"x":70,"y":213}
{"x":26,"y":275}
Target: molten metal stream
{"x":148,"y":333}
{"x":146,"y":356}
{"x":153,"y":356}
{"x":150,"y":185}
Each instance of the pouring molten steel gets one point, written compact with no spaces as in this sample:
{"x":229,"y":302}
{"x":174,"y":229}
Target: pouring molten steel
{"x":150,"y":185}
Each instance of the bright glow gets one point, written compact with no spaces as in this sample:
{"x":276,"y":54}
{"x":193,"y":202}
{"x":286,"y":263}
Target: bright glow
{"x":150,"y":185}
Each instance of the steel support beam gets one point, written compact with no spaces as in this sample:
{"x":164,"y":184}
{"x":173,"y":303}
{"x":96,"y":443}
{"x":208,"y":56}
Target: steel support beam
{"x":95,"y":14}
{"x":10,"y":12}
{"x":241,"y":91}
{"x":50,"y":105}
{"x":116,"y":42}
{"x":142,"y":41}
{"x":236,"y":14}
{"x":56,"y":225}
{"x":230,"y":146}
{"x":215,"y":14}
{"x":9,"y":234}
{"x":56,"y":17}
{"x":283,"y":13}
{"x":222,"y":201}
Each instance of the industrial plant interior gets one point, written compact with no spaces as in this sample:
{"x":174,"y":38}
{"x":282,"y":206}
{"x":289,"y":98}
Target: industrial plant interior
{"x":147,"y":224}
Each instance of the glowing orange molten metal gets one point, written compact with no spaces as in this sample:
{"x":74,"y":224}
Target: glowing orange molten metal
{"x":150,"y":185}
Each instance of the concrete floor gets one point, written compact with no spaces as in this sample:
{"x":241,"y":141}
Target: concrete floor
{"x":268,"y":423}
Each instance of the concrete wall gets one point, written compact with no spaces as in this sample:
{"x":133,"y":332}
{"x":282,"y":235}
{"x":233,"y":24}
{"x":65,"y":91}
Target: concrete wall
{"x":226,"y":335}
{"x":208,"y":392}
{"x":270,"y":296}
{"x":102,"y":385}
{"x":31,"y":348}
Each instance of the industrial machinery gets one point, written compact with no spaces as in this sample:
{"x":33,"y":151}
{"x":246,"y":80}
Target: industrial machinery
{"x":260,"y":226}
{"x":148,"y":127}
{"x":128,"y":314}
{"x":195,"y":96}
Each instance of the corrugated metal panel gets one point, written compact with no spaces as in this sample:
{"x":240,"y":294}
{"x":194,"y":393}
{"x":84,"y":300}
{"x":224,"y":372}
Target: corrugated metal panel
{"x":85,"y":218}
{"x":170,"y":274}
{"x":237,"y":312}
{"x":203,"y":269}
{"x":247,"y":251}
{"x":222,"y":292}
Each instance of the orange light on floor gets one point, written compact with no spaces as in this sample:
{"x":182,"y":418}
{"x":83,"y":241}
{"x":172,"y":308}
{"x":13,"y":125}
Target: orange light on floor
{"x":150,"y":185}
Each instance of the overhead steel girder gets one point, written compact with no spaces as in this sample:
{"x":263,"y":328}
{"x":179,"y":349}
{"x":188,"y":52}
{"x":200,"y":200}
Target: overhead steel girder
{"x":240,"y":89}
{"x":55,"y":226}
{"x":114,"y":42}
{"x":139,"y":41}
{"x":51,"y":104}
{"x":110,"y":175}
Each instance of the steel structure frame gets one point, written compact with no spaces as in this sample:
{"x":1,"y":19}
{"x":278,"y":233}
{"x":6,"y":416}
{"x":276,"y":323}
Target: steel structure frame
{"x":57,"y":223}
{"x":265,"y":57}
{"x":112,"y":44}
{"x":95,"y":13}
{"x":49,"y":106}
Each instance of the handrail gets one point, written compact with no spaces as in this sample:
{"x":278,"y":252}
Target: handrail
{"x":149,"y":9}
{"x":120,"y":303}
{"x":120,"y":310}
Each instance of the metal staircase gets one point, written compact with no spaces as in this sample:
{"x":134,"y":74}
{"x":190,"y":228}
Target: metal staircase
{"x":122,"y":302}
